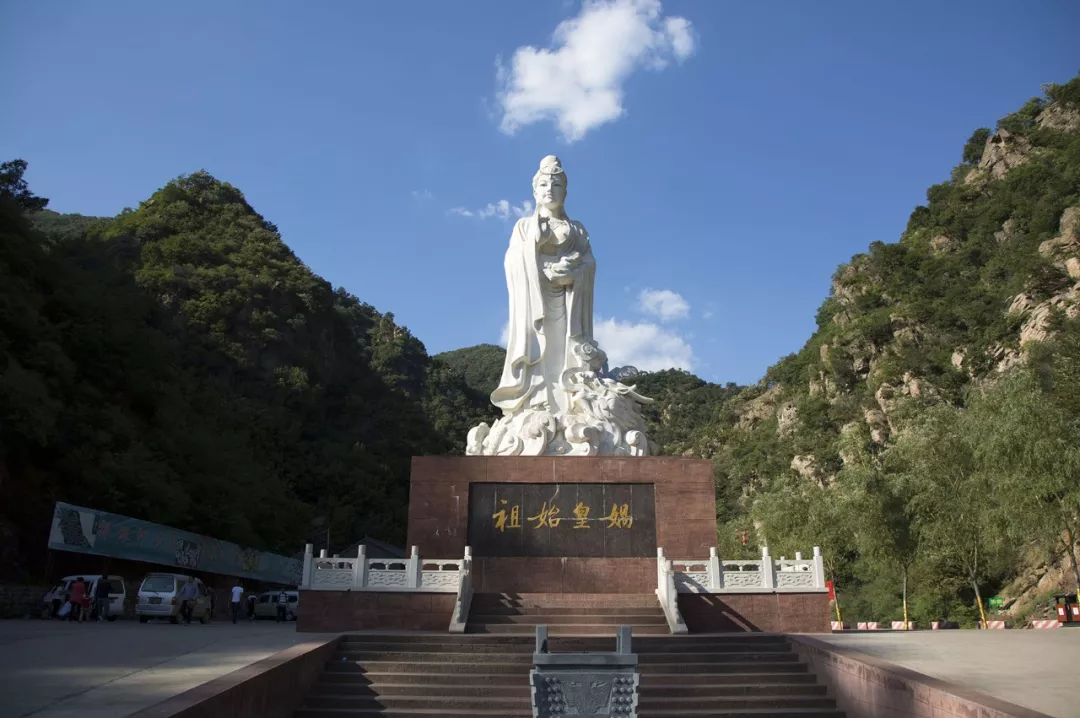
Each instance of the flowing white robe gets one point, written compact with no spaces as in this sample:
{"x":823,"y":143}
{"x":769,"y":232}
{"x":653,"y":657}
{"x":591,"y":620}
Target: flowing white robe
{"x":546,"y":321}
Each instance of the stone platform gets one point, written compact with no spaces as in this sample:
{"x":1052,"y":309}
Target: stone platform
{"x":672,"y":502}
{"x":567,"y":540}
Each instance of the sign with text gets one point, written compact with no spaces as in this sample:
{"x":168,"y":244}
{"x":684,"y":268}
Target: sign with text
{"x":83,"y":530}
{"x":580,"y":520}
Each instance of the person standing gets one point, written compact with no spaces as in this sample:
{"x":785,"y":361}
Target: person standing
{"x":282,"y":606}
{"x":187,"y":598}
{"x":101,"y":598}
{"x":79,"y":600}
{"x":252,"y":599}
{"x":237,"y":596}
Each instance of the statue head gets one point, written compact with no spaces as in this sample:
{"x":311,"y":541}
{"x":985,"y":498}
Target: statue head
{"x":549,"y":184}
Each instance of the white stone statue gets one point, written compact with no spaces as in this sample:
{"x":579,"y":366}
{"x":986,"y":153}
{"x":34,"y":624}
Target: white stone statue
{"x":553,"y":394}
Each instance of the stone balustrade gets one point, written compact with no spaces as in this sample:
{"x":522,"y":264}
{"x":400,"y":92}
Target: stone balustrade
{"x":716,"y":575}
{"x":337,"y":573}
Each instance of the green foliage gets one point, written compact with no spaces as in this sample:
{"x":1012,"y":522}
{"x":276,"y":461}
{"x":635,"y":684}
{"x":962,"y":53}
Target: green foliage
{"x":14,"y":188}
{"x":179,"y":364}
{"x":1067,"y":93}
{"x":973,"y":149}
{"x":481,"y":366}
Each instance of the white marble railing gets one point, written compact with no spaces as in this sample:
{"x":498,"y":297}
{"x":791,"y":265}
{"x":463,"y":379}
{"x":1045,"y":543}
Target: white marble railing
{"x":716,"y":575}
{"x":335,"y":573}
{"x":667,"y":593}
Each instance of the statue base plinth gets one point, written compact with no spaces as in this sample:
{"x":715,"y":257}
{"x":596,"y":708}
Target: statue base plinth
{"x":670,"y":502}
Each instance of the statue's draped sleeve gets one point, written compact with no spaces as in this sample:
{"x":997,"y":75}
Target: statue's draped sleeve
{"x":525,"y":338}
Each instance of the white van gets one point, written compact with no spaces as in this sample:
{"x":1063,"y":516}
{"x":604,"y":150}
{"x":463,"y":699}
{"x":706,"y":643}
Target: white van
{"x":267,"y":604}
{"x":117,"y":592}
{"x":158,"y":598}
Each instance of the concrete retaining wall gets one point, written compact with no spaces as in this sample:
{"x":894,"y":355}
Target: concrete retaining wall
{"x":271,"y":688}
{"x":866,"y":687}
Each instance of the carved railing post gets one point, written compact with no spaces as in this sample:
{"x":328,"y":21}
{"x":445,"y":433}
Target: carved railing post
{"x":463,"y":602}
{"x":305,"y":577}
{"x":413,"y":567}
{"x":768,"y":570}
{"x":819,"y":569}
{"x":716,"y":570}
{"x":359,"y":569}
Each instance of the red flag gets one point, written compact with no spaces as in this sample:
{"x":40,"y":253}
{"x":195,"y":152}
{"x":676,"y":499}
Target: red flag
{"x":832,"y":590}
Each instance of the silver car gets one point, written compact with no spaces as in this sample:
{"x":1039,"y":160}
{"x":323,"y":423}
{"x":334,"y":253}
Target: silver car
{"x":159,"y":597}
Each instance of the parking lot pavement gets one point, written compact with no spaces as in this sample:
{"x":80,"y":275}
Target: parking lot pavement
{"x":1034,"y":669}
{"x":54,"y":669}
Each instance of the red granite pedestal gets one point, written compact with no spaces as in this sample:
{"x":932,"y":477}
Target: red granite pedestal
{"x":456,"y":502}
{"x":684,"y":509}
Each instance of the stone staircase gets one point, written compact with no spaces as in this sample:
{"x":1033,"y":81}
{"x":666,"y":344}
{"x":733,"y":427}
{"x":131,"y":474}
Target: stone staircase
{"x":584,"y":614}
{"x":739,"y":675}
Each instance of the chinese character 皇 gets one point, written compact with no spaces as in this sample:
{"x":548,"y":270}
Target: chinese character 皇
{"x":546,"y":517}
{"x":581,"y":515}
{"x":500,"y":517}
{"x":619,"y":517}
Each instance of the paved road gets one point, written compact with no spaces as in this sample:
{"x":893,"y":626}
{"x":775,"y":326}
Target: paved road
{"x":1036,"y":669}
{"x":55,"y":669}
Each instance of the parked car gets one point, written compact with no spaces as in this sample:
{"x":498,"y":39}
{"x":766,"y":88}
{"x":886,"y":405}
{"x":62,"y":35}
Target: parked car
{"x":117,"y":592}
{"x":159,"y":598}
{"x":266,"y":606}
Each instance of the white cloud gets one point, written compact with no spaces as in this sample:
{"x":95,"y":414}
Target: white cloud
{"x":578,"y":82}
{"x":504,"y":335}
{"x":501,"y":209}
{"x":645,"y":345}
{"x":422,"y":195}
{"x":707,"y":314}
{"x":664,"y":304}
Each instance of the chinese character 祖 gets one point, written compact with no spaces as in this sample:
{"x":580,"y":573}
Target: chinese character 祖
{"x":500,"y":517}
{"x":546,"y":517}
{"x":619,"y":517}
{"x":581,"y":515}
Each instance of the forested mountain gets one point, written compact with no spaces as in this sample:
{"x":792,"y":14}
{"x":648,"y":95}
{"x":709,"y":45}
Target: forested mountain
{"x":178,"y":363}
{"x":927,"y":434}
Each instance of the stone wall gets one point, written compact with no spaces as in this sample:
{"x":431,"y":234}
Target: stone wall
{"x":866,"y":687}
{"x":439,"y":495}
{"x":768,"y":612}
{"x":564,"y":575}
{"x":337,"y":611}
{"x":271,"y":688}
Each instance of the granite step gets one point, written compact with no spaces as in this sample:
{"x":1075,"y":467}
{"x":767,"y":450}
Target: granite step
{"x":424,"y":678}
{"x":581,"y":629}
{"x":568,"y":600}
{"x":463,"y":689}
{"x":317,"y":700}
{"x":618,"y":619}
{"x":308,"y":712}
{"x":510,"y":610}
{"x":480,"y":675}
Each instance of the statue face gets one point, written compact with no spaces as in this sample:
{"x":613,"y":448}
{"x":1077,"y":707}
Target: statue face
{"x":550,"y":191}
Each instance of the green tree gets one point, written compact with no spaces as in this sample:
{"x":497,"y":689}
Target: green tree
{"x":1030,"y":445}
{"x":952,"y":501}
{"x":14,"y":187}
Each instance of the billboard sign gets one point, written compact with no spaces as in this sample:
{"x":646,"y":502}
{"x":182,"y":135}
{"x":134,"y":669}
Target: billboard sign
{"x":90,"y":531}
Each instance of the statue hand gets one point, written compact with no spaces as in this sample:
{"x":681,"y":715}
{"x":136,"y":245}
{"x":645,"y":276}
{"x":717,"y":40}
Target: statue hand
{"x":559,"y":273}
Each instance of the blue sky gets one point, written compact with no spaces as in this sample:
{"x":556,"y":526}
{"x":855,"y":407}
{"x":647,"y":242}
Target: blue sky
{"x":724,"y":163}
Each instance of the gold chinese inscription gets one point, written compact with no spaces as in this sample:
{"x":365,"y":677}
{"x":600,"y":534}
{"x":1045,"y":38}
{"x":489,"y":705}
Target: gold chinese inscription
{"x":619,"y":517}
{"x":581,"y":516}
{"x":509,"y":516}
{"x":501,"y":516}
{"x":547,"y":517}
